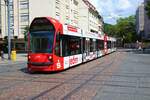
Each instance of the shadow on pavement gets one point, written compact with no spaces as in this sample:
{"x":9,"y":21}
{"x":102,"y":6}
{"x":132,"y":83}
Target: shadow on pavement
{"x":125,"y":50}
{"x":25,"y":70}
{"x":146,"y":51}
{"x":135,"y":51}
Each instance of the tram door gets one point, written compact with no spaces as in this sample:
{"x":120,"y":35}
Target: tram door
{"x":58,"y":48}
{"x":86,"y":49}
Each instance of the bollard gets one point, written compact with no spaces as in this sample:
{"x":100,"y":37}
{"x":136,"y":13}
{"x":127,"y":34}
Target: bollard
{"x":13,"y":55}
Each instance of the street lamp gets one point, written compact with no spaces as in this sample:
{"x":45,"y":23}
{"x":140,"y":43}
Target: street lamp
{"x":7,"y":3}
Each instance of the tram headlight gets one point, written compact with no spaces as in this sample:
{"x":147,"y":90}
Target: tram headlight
{"x":50,"y":58}
{"x":29,"y":57}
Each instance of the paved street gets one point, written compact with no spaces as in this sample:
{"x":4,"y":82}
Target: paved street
{"x":123,"y":75}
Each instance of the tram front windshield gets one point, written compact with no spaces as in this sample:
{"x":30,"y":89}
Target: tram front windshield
{"x":41,"y":36}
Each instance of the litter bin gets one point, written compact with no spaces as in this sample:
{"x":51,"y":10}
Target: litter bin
{"x":13,"y":55}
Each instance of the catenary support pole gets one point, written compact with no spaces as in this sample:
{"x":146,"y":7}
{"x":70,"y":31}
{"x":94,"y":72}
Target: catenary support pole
{"x":7,"y":3}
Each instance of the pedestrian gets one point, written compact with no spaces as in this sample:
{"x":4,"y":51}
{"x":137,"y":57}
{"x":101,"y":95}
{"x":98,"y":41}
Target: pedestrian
{"x":143,"y":47}
{"x":140,"y":46}
{"x":2,"y":54}
{"x":137,"y":45}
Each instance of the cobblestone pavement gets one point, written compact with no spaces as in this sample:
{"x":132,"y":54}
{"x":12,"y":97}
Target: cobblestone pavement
{"x":122,"y":75}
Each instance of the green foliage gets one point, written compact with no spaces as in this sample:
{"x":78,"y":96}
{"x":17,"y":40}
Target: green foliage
{"x":125,"y":29}
{"x":26,"y":29}
{"x":109,"y":29}
{"x":147,"y":8}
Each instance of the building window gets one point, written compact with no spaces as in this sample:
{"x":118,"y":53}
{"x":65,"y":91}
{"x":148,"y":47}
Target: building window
{"x":22,"y":30}
{"x":75,"y":2}
{"x":57,"y":14}
{"x":23,"y":1}
{"x":24,"y":18}
{"x":57,"y":7}
{"x":67,"y":7}
{"x":24,"y":6}
{"x":57,"y":2}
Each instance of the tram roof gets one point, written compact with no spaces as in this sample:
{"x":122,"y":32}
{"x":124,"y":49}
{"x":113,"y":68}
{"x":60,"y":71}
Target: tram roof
{"x":93,"y":35}
{"x":71,"y":30}
{"x":75,"y":31}
{"x":55,"y":22}
{"x":111,"y":38}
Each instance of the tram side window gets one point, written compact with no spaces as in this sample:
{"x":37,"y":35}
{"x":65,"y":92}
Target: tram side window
{"x":100,"y":44}
{"x":108,"y":44}
{"x":74,"y":45}
{"x":91,"y":45}
{"x":83,"y":40}
{"x":57,"y":47}
{"x":115,"y":44}
{"x":112,"y":44}
{"x":65,"y":47}
{"x":71,"y":45}
{"x":95,"y":47}
{"x":87,"y":45}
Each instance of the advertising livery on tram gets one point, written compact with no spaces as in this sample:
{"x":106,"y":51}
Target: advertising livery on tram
{"x":54,"y":47}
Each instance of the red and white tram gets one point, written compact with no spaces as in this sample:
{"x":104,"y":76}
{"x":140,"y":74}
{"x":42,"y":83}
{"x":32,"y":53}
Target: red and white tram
{"x":54,"y":47}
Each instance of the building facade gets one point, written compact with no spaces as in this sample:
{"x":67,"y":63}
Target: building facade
{"x":146,"y":24}
{"x":90,"y":19}
{"x":78,"y":13}
{"x":19,"y":19}
{"x":66,"y":11}
{"x":0,"y":23}
{"x":142,"y":22}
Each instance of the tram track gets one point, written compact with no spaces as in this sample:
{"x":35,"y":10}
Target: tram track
{"x":81,"y":85}
{"x":63,"y":72}
{"x":66,"y":97}
{"x":20,"y":80}
{"x":25,"y":76}
{"x":67,"y":81}
{"x":16,"y":64}
{"x":86,"y":82}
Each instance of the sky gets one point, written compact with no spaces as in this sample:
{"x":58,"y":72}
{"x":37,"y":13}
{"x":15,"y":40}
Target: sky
{"x":111,"y":10}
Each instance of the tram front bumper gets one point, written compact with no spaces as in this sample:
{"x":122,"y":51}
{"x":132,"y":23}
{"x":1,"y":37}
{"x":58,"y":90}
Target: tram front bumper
{"x":36,"y":66}
{"x":40,"y":63}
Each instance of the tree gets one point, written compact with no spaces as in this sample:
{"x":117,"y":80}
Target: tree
{"x":109,"y":29}
{"x":124,"y":29}
{"x":26,"y":29}
{"x":147,"y":8}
